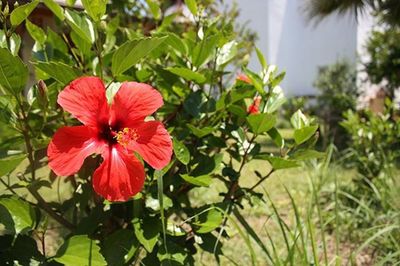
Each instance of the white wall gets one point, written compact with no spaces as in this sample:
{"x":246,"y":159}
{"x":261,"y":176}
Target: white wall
{"x":294,"y":45}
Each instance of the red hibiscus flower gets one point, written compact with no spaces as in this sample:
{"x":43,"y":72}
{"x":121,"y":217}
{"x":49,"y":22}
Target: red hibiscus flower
{"x":244,"y":78}
{"x":114,"y":131}
{"x":255,"y":106}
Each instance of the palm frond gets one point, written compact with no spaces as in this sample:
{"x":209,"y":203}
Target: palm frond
{"x":320,"y":9}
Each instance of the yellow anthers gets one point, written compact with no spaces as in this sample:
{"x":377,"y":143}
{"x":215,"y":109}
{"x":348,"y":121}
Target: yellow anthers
{"x":127,"y":135}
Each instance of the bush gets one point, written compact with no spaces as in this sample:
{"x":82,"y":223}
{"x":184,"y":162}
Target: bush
{"x":155,"y":220}
{"x":337,"y":93}
{"x":374,"y":140}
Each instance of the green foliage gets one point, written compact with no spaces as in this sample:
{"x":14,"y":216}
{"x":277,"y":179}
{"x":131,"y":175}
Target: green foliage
{"x":13,"y":72}
{"x":55,"y":8}
{"x":96,"y":8}
{"x":22,"y":12}
{"x":22,"y":215}
{"x":131,"y":52}
{"x":383,"y":65}
{"x":374,"y":140}
{"x":337,"y":94}
{"x":79,"y":250}
{"x":260,"y":123}
{"x":192,"y":64}
{"x":192,"y":5}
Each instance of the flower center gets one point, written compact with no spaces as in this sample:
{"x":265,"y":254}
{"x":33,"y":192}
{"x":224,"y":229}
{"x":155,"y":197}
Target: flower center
{"x":126,"y":136}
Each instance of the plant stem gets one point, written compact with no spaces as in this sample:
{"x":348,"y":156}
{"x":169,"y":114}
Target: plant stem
{"x":256,"y":184}
{"x":29,"y":148}
{"x":43,"y":205}
{"x":235,"y":184}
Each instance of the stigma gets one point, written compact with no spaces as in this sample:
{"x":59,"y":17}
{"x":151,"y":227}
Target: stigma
{"x":126,"y":136}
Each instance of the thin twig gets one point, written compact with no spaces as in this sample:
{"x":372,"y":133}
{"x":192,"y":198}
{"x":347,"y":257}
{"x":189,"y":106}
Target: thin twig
{"x":43,"y":205}
{"x":41,"y":202}
{"x":256,"y":184}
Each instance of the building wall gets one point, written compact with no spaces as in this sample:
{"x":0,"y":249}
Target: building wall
{"x":295,"y":45}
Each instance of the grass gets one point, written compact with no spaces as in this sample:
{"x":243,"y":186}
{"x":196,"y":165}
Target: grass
{"x":285,"y":192}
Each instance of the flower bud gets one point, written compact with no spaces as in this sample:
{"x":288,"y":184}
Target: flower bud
{"x":244,"y":78}
{"x":42,"y":93}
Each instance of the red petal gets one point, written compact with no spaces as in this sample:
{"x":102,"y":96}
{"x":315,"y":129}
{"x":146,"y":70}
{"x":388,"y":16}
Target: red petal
{"x":154,"y":144}
{"x":69,"y":148}
{"x":133,"y":102}
{"x":85,"y":98}
{"x":253,"y":109}
{"x":120,"y":176}
{"x":243,"y":78}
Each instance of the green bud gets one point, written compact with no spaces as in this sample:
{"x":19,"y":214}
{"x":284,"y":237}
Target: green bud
{"x":42,"y":93}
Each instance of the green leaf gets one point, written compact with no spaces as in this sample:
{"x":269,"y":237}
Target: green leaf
{"x":36,"y":32}
{"x":303,"y":134}
{"x":237,"y":110}
{"x":15,"y":44}
{"x":80,"y":250}
{"x":255,"y":80}
{"x":204,"y":50}
{"x":241,"y":92}
{"x":55,"y":8}
{"x":181,"y":152}
{"x":13,"y":72}
{"x":209,"y":221}
{"x":162,"y":202}
{"x":147,"y":232}
{"x":95,"y":8}
{"x":192,"y":104}
{"x":176,"y":43}
{"x":19,"y":14}
{"x":3,"y":39}
{"x":207,"y":165}
{"x":276,"y":100}
{"x":154,"y":8}
{"x":118,"y":245}
{"x":192,"y":5}
{"x":56,"y":41}
{"x":260,"y":123}
{"x":261,"y":58}
{"x":131,"y":52}
{"x":70,"y":3}
{"x":276,"y":137}
{"x":8,"y":164}
{"x":173,"y":256}
{"x":200,"y":132}
{"x":227,"y":53}
{"x":277,"y":80}
{"x":83,"y":47}
{"x":201,"y":181}
{"x":187,"y":74}
{"x":299,"y":120}
{"x":59,"y":71}
{"x":277,"y":162}
{"x":21,"y":212}
{"x":81,"y":25}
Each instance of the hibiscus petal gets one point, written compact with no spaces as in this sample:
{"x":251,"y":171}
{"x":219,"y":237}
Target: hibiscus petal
{"x":85,"y":98}
{"x":133,"y":102}
{"x":69,"y":148}
{"x":153,"y":144}
{"x":120,"y":176}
